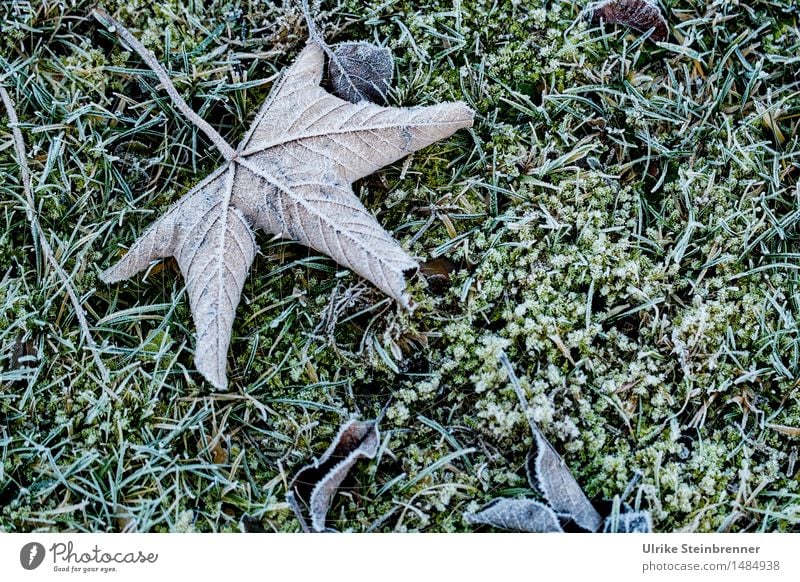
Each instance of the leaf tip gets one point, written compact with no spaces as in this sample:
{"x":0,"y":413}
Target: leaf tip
{"x":468,"y":113}
{"x":111,"y":275}
{"x":212,"y":373}
{"x":460,"y":114}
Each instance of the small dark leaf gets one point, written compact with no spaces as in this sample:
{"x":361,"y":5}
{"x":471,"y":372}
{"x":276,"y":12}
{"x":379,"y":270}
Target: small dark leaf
{"x":22,"y":352}
{"x":316,"y":484}
{"x":359,"y":71}
{"x":524,"y":515}
{"x":640,"y":15}
{"x":251,"y":525}
{"x":437,"y":272}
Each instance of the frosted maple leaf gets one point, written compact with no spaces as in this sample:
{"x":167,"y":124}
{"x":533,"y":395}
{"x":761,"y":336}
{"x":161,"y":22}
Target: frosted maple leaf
{"x":291,"y":176}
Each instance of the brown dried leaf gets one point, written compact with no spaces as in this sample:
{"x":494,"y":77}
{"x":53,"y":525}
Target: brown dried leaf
{"x":640,"y":15}
{"x":525,"y":515}
{"x":548,"y":473}
{"x":316,"y":484}
{"x":791,"y":431}
{"x":22,"y":351}
{"x":437,"y":272}
{"x":290,"y":176}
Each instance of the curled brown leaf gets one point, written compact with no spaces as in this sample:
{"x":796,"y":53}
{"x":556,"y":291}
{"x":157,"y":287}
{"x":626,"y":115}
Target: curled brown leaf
{"x":640,"y":15}
{"x":317,"y":483}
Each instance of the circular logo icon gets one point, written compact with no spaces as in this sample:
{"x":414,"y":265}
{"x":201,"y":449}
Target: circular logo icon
{"x":31,"y":555}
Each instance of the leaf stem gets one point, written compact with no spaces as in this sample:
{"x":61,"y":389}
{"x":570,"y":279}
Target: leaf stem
{"x":313,"y":33}
{"x":150,"y":60}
